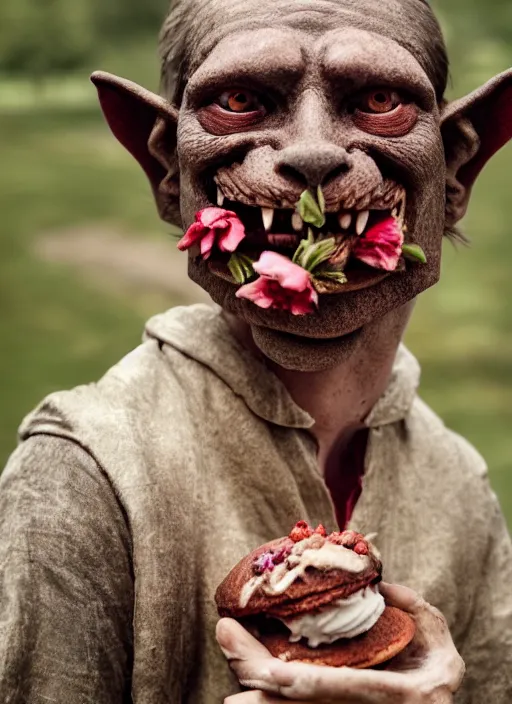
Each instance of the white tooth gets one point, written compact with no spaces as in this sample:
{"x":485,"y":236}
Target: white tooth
{"x":220,"y":197}
{"x":394,"y":213}
{"x":344,"y":220}
{"x":362,"y":221}
{"x":267,"y":215}
{"x":297,"y":223}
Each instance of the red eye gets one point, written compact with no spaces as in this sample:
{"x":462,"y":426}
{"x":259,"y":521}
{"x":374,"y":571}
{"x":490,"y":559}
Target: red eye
{"x":239,"y":101}
{"x":380,"y":101}
{"x":384,"y":113}
{"x":235,"y":110}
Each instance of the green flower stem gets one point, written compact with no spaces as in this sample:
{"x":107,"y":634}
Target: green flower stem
{"x":240,"y":266}
{"x":333,"y":275}
{"x":320,"y":199}
{"x":415,"y":252}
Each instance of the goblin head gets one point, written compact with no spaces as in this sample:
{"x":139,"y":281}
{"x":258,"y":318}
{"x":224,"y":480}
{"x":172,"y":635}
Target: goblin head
{"x":265,"y":99}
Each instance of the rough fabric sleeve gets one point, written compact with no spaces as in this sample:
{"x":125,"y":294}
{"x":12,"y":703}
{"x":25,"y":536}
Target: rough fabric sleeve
{"x":487,"y":648}
{"x":66,"y":589}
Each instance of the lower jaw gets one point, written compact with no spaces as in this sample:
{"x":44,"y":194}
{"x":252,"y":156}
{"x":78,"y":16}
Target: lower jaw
{"x":323,"y":339}
{"x":305,"y":354}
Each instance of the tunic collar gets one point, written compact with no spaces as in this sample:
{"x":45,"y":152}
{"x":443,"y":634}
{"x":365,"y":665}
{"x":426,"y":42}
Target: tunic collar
{"x":201,"y":333}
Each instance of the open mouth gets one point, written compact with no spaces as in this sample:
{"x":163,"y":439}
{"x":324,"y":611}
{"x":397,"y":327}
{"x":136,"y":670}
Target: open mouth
{"x":281,"y":230}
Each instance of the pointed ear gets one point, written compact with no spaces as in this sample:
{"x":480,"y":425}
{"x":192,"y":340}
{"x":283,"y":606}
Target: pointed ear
{"x":146,"y":125}
{"x":473,"y":129}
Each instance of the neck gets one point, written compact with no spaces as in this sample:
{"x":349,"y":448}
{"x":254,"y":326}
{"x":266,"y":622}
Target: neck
{"x":340,"y":399}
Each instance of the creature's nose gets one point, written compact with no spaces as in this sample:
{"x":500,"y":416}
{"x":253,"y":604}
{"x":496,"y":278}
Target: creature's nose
{"x":313,"y":165}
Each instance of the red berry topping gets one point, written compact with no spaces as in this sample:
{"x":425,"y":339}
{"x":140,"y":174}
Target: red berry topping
{"x":361,"y":547}
{"x":301,"y":531}
{"x":321,"y":531}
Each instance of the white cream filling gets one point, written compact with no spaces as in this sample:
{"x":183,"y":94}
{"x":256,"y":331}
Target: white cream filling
{"x":345,"y":618}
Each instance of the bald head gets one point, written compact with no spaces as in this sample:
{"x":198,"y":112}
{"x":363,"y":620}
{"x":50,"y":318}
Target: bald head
{"x":194,"y":27}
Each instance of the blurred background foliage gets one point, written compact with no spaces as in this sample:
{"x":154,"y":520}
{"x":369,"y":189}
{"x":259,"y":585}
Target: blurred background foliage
{"x":84,"y":260}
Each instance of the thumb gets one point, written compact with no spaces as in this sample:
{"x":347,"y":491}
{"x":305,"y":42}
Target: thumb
{"x":248,"y":658}
{"x":402,"y":597}
{"x":237,"y":643}
{"x":432,"y":628}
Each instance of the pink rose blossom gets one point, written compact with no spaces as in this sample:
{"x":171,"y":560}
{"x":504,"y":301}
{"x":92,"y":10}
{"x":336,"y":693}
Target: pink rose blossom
{"x":381,"y":245}
{"x":214,"y":226}
{"x":282,"y":285}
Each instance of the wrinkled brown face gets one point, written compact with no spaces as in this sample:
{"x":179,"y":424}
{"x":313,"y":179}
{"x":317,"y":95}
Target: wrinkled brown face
{"x":270,"y":113}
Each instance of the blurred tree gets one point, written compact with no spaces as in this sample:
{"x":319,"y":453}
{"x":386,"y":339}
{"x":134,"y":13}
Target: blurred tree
{"x":479,"y":37}
{"x":44,"y":37}
{"x":124,"y":19}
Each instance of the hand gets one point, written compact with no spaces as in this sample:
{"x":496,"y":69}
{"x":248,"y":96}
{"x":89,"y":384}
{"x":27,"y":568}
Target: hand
{"x":428,"y":671}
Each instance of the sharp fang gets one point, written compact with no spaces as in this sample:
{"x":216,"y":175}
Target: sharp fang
{"x":362,"y":221}
{"x":220,"y":197}
{"x":267,"y":215}
{"x":345,"y":220}
{"x":394,"y":213}
{"x":297,"y":223}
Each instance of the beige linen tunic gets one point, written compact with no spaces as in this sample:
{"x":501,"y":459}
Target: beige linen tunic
{"x":128,"y":500}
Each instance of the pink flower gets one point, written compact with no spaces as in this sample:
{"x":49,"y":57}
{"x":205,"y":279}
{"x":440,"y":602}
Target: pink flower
{"x":282,"y":285}
{"x":381,"y":245}
{"x":214,"y":226}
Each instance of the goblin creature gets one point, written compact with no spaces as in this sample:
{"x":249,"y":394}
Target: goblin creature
{"x":307,"y":152}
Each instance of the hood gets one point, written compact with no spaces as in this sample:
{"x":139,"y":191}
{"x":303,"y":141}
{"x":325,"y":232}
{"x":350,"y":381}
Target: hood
{"x":201,"y":333}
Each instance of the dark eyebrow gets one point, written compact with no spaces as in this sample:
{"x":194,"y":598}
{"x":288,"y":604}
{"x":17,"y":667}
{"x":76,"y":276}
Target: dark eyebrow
{"x":375,"y":78}
{"x":279,"y":80}
{"x":249,"y":67}
{"x":357,"y":71}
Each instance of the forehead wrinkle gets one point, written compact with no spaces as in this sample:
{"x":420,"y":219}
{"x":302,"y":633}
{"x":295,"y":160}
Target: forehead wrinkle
{"x":194,"y":27}
{"x":216,"y":19}
{"x":364,"y":58}
{"x":246,"y":55}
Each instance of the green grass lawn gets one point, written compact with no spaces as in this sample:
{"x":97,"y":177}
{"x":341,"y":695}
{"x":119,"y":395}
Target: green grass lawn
{"x":61,"y":168}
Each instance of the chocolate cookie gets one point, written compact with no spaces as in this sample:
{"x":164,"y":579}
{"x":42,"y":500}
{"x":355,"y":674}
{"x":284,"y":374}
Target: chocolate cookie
{"x":314,"y":597}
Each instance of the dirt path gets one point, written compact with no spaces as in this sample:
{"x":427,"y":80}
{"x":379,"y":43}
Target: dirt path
{"x":116,"y":260}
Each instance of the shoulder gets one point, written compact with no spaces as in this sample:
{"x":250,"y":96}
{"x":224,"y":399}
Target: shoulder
{"x":429,"y":435}
{"x":136,"y":420}
{"x":456,"y":472}
{"x":125,"y":392}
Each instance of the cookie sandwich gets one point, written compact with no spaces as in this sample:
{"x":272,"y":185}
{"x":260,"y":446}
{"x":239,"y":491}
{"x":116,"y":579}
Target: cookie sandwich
{"x":314,"y":597}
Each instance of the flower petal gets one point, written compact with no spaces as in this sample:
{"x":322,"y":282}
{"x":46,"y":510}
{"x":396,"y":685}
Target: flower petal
{"x":257,"y":292}
{"x":229,"y":240}
{"x":214,"y":225}
{"x":209,"y":217}
{"x":381,"y":246}
{"x":194,"y":233}
{"x":276,"y":266}
{"x":207,"y":244}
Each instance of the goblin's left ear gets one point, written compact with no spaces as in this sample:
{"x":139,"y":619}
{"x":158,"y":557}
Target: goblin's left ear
{"x":473,"y":129}
{"x":145,"y":124}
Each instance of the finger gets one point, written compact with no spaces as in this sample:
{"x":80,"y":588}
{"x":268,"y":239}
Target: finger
{"x":402,"y":597}
{"x":433,"y":630}
{"x":303,"y":682}
{"x":247,"y":657}
{"x":236,"y":642}
{"x":256,"y":668}
{"x":254,"y":697}
{"x":258,"y":697}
